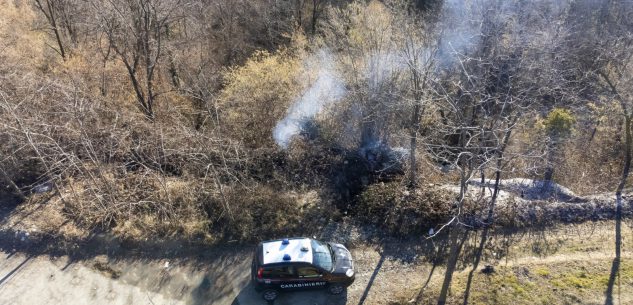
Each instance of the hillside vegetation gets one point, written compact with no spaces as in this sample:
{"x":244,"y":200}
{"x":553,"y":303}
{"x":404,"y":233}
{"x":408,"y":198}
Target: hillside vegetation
{"x":213,"y":120}
{"x":165,"y":117}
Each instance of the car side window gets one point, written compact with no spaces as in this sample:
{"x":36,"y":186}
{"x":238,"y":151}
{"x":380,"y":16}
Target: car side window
{"x":278,"y":272}
{"x":308,"y":272}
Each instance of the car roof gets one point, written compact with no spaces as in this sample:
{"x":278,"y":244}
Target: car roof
{"x":298,"y":250}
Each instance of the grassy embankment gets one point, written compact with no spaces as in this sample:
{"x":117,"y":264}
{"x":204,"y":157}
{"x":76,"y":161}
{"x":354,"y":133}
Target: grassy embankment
{"x":567,"y":264}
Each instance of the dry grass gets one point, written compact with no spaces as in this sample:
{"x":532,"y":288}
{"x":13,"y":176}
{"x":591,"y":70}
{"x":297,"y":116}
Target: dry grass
{"x":562,"y":265}
{"x":43,"y":214}
{"x":21,"y":47}
{"x":404,"y":212}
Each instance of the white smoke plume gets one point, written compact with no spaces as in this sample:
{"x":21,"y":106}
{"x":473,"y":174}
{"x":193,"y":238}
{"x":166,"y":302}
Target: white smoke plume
{"x":327,"y":88}
{"x":460,"y":32}
{"x":381,"y":66}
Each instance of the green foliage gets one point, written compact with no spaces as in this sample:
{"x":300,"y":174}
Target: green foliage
{"x":542,"y":271}
{"x":559,"y":123}
{"x":568,"y":283}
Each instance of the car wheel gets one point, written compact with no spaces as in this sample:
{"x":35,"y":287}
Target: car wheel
{"x":270,"y":295}
{"x":336,"y":289}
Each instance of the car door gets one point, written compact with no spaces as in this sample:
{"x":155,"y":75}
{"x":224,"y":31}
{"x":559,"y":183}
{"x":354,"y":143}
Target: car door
{"x":311,"y":277}
{"x":278,"y":276}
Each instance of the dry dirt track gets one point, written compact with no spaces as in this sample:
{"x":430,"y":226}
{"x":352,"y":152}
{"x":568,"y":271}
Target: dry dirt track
{"x":41,"y":279}
{"x":106,"y":272}
{"x":221,"y":276}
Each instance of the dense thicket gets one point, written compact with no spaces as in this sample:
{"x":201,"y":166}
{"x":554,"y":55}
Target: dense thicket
{"x":238,"y":119}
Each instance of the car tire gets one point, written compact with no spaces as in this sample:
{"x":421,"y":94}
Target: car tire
{"x":270,"y":295}
{"x":336,"y":289}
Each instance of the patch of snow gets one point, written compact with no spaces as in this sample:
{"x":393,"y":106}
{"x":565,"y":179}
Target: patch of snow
{"x":529,"y":189}
{"x":520,"y":189}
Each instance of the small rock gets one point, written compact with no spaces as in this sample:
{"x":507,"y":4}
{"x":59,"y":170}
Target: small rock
{"x":43,"y":188}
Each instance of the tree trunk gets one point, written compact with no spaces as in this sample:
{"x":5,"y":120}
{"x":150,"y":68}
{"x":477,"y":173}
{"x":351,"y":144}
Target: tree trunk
{"x":50,"y":14}
{"x":456,"y":230}
{"x":628,"y":139}
{"x":456,"y":248}
{"x":627,"y":158}
{"x":59,"y":42}
{"x":419,"y":84}
{"x":490,"y":217}
{"x":615,"y":267}
{"x":140,"y":96}
{"x":549,"y":170}
{"x":412,"y":151}
{"x":315,"y":14}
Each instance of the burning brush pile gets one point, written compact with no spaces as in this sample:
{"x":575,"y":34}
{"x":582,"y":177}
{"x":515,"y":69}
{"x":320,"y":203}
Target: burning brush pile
{"x":351,"y":161}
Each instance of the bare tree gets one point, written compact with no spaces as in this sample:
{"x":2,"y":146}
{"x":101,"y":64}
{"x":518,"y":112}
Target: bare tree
{"x":135,"y":31}
{"x":56,"y":13}
{"x":484,"y":92}
{"x":613,"y":69}
{"x":317,"y":10}
{"x":610,"y":62}
{"x":419,"y":45}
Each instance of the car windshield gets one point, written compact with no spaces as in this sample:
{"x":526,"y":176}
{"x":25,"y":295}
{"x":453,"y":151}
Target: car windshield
{"x":322,"y":255}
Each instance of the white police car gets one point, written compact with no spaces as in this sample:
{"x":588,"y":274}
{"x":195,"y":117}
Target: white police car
{"x":301,"y":263}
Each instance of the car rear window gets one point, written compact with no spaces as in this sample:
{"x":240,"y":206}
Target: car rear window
{"x":278,"y":272}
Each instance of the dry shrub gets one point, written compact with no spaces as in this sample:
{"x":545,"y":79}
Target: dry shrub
{"x":402,"y":212}
{"x":259,"y":213}
{"x":137,"y":205}
{"x":593,"y":159}
{"x":590,"y":161}
{"x":20,"y":46}
{"x":257,"y":95}
{"x":115,"y":169}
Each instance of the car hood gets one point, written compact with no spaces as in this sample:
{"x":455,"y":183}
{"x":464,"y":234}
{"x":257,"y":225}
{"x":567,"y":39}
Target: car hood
{"x":343,"y":259}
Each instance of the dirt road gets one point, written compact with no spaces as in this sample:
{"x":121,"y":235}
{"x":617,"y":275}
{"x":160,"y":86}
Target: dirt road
{"x":104,"y":271}
{"x":41,"y":279}
{"x":101,"y":270}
